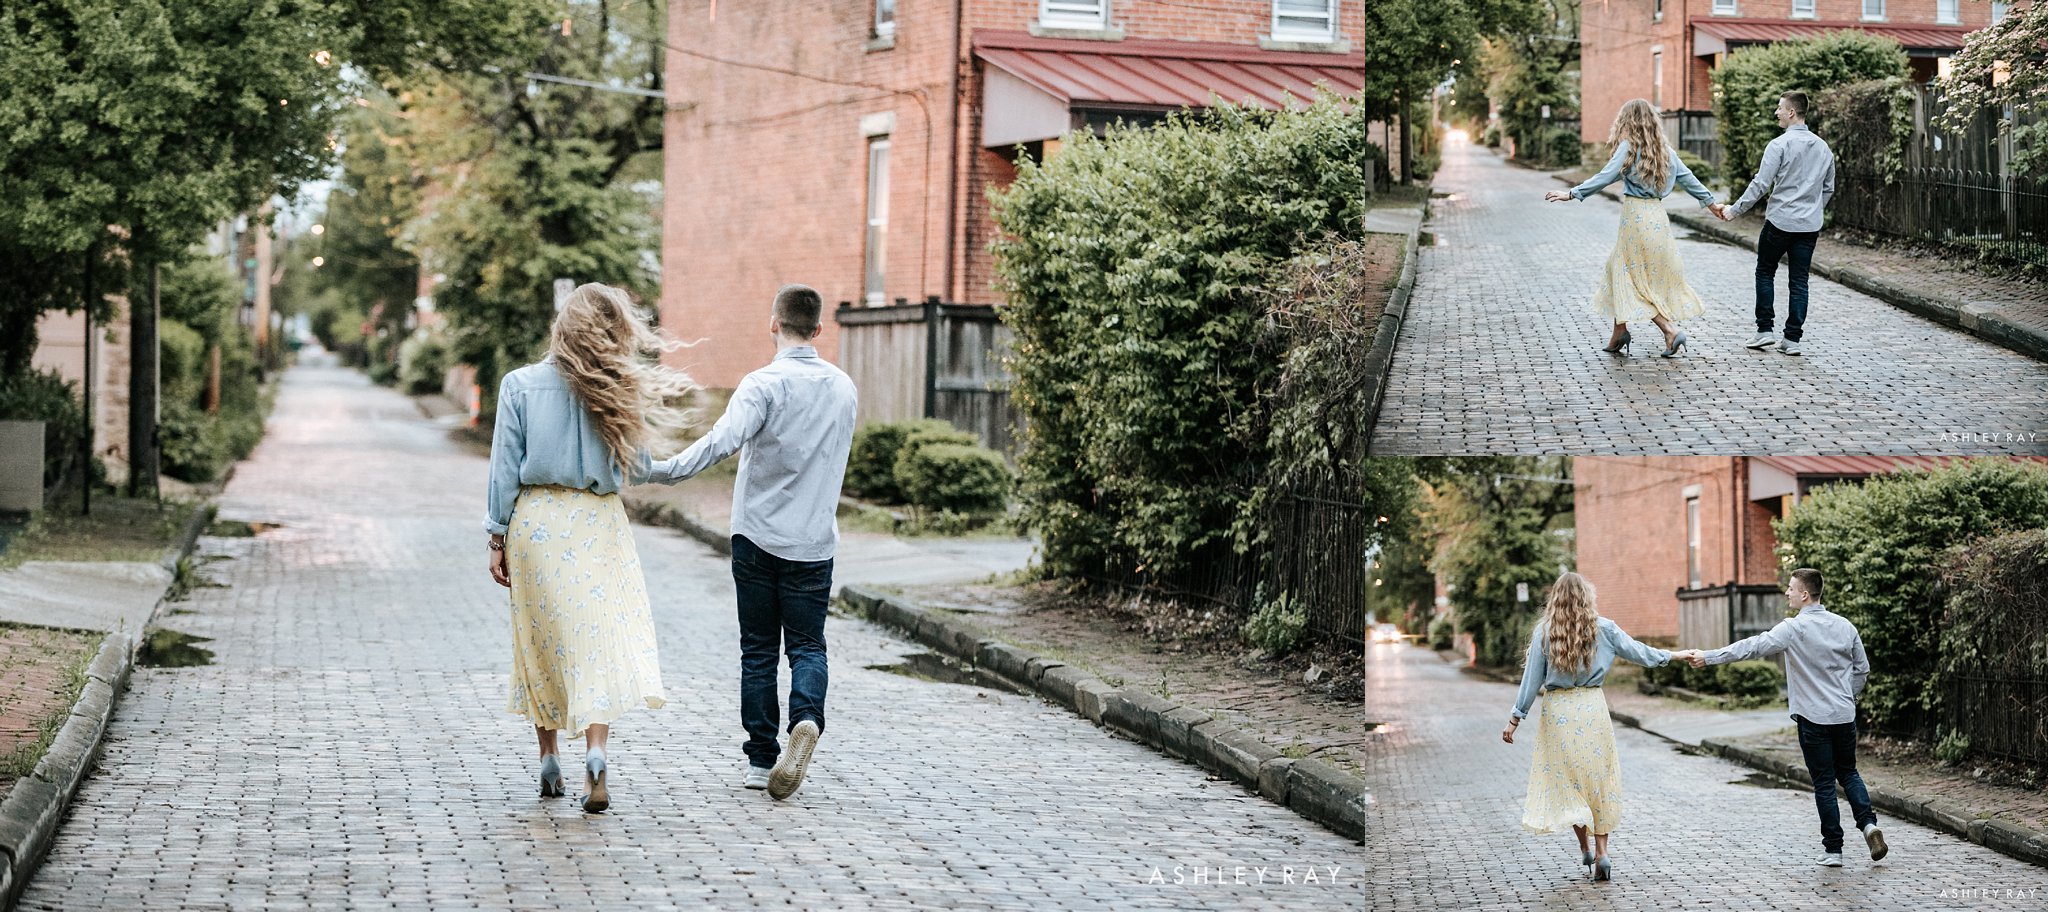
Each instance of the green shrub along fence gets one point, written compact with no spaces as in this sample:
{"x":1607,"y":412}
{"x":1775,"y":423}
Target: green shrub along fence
{"x":202,"y":435}
{"x":931,"y":466}
{"x":1752,"y":683}
{"x":1748,"y":83}
{"x":1882,"y":548}
{"x":44,"y":396}
{"x":1992,"y":677}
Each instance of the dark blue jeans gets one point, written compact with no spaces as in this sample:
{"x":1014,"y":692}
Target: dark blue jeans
{"x":782,"y":609}
{"x":1771,"y":247}
{"x":1830,"y":758}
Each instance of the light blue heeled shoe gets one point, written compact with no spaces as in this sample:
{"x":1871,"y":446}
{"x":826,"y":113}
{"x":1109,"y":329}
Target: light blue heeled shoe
{"x":1677,"y":342}
{"x":1602,"y":870}
{"x":596,"y":798}
{"x":550,"y":777}
{"x":1620,"y":345}
{"x":1588,"y":862}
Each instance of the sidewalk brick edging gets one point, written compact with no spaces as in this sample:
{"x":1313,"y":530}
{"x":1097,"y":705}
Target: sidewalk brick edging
{"x":1998,"y":835}
{"x":1379,"y":362}
{"x":1312,"y":788}
{"x":34,"y":808}
{"x":1955,"y":314}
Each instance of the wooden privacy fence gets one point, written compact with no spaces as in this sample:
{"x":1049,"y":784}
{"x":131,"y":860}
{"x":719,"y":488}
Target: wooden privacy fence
{"x":1954,"y":188}
{"x":1714,"y":617}
{"x":931,"y":360}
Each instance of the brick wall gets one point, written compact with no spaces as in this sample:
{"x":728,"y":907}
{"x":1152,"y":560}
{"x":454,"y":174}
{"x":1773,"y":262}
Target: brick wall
{"x":60,"y":347}
{"x":1630,"y":514}
{"x":766,"y":172}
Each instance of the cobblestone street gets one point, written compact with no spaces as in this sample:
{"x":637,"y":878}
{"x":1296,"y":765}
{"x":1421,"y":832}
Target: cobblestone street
{"x":1501,"y":351}
{"x":348,"y":747}
{"x":1698,"y":832}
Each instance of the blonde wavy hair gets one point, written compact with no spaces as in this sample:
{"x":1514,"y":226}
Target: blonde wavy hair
{"x":1570,"y":620}
{"x":1637,"y":123}
{"x":610,"y":355}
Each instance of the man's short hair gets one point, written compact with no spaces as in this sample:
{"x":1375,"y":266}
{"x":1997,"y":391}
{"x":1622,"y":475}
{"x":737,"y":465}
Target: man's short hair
{"x":1800,"y":107}
{"x":1808,"y":578}
{"x":799,"y":309}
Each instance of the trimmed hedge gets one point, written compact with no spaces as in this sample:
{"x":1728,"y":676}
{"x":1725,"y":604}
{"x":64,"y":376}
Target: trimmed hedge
{"x":1748,"y":83}
{"x":952,"y":477}
{"x":1880,"y":548}
{"x":1753,"y":681}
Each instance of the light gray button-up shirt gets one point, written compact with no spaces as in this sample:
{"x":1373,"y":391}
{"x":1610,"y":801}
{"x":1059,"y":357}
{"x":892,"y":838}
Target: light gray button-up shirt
{"x":1824,"y":662}
{"x":792,"y":424}
{"x":1798,"y":171}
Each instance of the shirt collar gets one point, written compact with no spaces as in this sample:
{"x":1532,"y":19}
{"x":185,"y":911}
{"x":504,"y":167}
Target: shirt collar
{"x":1798,"y":126}
{"x":1816,"y":606}
{"x":797,"y":351}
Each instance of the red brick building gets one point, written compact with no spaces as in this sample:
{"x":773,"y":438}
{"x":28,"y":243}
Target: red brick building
{"x":851,"y":144}
{"x":1681,"y":550}
{"x":1662,"y":50}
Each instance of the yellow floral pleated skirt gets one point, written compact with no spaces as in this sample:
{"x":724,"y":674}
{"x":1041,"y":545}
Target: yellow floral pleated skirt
{"x":1575,"y":777}
{"x":1644,"y":275}
{"x":583,"y":648}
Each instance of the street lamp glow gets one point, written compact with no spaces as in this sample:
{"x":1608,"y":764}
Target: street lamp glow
{"x":322,"y":58}
{"x":319,"y":261}
{"x":318,"y":230}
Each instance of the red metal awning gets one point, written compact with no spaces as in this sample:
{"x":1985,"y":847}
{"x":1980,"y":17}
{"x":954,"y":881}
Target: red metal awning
{"x":1166,"y":74}
{"x":1764,"y":31}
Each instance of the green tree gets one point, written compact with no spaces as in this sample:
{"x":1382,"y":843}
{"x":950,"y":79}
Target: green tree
{"x":1531,"y":62}
{"x":1747,"y":86}
{"x":2000,"y":67}
{"x":1494,"y":521}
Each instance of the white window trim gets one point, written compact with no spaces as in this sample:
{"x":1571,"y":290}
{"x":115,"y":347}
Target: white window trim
{"x":1049,"y":17}
{"x":884,"y":29}
{"x":1732,"y":9}
{"x":1867,"y":17}
{"x":1657,"y":11}
{"x":1295,"y":34}
{"x":1811,"y":10}
{"x":874,"y":257}
{"x":1657,"y":76}
{"x":1954,"y":12}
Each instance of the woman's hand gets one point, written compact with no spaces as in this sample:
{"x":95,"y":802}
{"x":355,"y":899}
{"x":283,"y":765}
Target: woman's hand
{"x":1508,"y":734}
{"x":500,"y":571}
{"x":1558,"y":196}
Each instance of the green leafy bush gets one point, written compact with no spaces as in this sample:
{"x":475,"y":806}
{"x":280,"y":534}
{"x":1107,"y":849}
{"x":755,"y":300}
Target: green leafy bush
{"x":1700,"y":168}
{"x":1954,"y":747}
{"x":1752,"y":679}
{"x":1880,"y":548}
{"x":1492,"y":135}
{"x":1748,"y":83}
{"x":1867,"y":124}
{"x":1131,"y":266}
{"x":955,"y":477}
{"x":1277,"y":625}
{"x":1994,"y":639}
{"x":47,"y":397}
{"x":1440,"y":632}
{"x":423,"y":360}
{"x":871,"y":463}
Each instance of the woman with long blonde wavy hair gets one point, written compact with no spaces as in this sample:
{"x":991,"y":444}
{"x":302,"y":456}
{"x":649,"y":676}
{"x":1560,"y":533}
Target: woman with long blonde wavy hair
{"x":570,"y":431}
{"x":1575,"y":776}
{"x":1644,"y":277}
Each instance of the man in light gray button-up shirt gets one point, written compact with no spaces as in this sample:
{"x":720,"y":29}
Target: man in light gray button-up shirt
{"x":792,"y":424}
{"x":1825,"y":668}
{"x":1798,"y":171}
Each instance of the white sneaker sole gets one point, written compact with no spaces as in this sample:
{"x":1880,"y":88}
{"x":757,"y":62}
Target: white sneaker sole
{"x":789,"y":771}
{"x":1760,"y":346}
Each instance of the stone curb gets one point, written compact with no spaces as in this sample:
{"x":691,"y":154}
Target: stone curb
{"x":1314,"y":789}
{"x":34,"y":809}
{"x":1949,"y":312}
{"x":665,"y":515}
{"x":2001,"y":836}
{"x":1379,"y":362}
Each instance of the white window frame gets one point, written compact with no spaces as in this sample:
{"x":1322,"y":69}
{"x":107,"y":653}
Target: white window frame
{"x":1726,"y":8}
{"x":1657,"y":76}
{"x":1073,"y":14}
{"x":1948,"y":12}
{"x":1694,"y":558}
{"x":1803,"y":9}
{"x":885,"y":27}
{"x":1295,"y":32}
{"x":875,"y":244}
{"x":1868,"y":16}
{"x":1998,"y":11}
{"x":1657,"y":11}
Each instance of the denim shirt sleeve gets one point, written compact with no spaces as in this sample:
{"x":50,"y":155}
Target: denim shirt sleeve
{"x":743,"y":418}
{"x":1626,"y":647}
{"x":508,"y":450}
{"x":1690,"y":182}
{"x":1607,"y":175}
{"x":1535,"y":668}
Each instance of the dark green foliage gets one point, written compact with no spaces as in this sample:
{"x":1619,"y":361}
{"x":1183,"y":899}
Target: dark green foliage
{"x":1880,"y":548}
{"x":1700,"y":168}
{"x":423,"y":360}
{"x":1497,"y":531}
{"x":1868,"y":124}
{"x":1753,"y":679}
{"x":44,"y":396}
{"x":1441,"y":631}
{"x":1748,"y":83}
{"x":1994,"y":637}
{"x":871,"y":464}
{"x":953,"y":477}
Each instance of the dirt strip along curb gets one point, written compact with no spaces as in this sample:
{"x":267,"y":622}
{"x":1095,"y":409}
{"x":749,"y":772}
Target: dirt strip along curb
{"x":1379,"y":362}
{"x":1312,"y":788}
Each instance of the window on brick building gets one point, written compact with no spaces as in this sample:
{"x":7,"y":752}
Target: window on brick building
{"x":1304,"y":20}
{"x":1080,"y":14}
{"x":1657,"y":11}
{"x":1873,"y":9}
{"x":878,"y":219}
{"x":1802,"y":9}
{"x":885,"y":18}
{"x":1657,"y":79}
{"x":1724,"y":7}
{"x":1692,"y":543}
{"x":1998,"y":10}
{"x":1945,"y":12}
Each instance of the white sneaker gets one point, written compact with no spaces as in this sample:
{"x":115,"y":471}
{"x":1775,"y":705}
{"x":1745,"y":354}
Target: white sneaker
{"x":1875,"y":838}
{"x":1831,"y":859}
{"x":1761,"y":341}
{"x":1788,"y":347}
{"x":757,"y":777}
{"x":788,"y":774}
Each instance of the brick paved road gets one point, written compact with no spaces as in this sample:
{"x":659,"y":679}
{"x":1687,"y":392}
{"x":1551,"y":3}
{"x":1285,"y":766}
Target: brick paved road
{"x":1444,"y":831}
{"x":1501,"y":353}
{"x":349,"y":748}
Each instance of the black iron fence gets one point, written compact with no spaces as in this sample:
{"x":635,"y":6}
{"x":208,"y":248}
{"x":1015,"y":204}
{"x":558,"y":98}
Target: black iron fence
{"x":2001,"y":717}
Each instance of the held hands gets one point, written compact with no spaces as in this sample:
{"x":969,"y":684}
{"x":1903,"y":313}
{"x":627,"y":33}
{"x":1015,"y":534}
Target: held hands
{"x":1693,"y":657}
{"x":1720,"y":211}
{"x":500,"y":571}
{"x":1558,"y":196}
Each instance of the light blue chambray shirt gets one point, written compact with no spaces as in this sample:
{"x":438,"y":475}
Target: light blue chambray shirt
{"x":544,"y":437}
{"x":1798,"y":171}
{"x":1825,"y":665}
{"x":792,"y":424}
{"x":1618,"y":168}
{"x":1609,"y":643}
